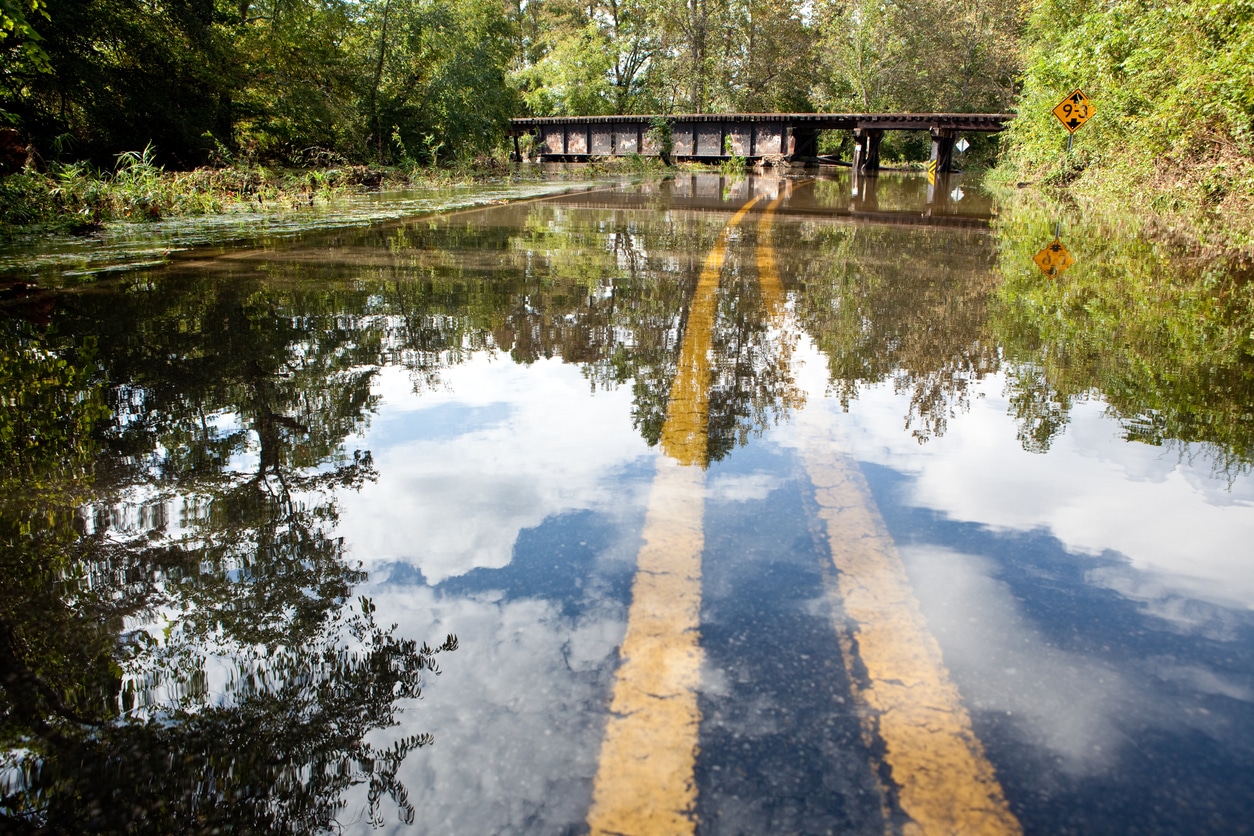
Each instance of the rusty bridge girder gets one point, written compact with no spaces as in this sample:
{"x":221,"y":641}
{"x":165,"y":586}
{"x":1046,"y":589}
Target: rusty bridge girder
{"x":717,"y":136}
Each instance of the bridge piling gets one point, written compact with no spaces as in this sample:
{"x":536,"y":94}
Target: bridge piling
{"x":866,"y":149}
{"x":943,"y":149}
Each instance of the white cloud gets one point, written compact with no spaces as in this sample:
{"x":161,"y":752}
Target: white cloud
{"x":1061,"y":701}
{"x":517,"y":713}
{"x":740,"y":487}
{"x":1095,"y":492}
{"x":455,"y":503}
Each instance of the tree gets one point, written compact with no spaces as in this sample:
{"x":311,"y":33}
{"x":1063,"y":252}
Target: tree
{"x":21,"y":56}
{"x":106,"y":717}
{"x":920,"y":55}
{"x":120,"y":75}
{"x":590,"y":59}
{"x":439,"y":77}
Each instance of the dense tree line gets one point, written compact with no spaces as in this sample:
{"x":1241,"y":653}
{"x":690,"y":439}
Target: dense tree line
{"x":266,"y":79}
{"x":383,"y":80}
{"x":391,"y":81}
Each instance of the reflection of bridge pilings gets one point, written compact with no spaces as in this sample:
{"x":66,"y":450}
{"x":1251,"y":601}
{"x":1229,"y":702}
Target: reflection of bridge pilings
{"x":883,"y":198}
{"x":939,"y":201}
{"x":731,"y":190}
{"x":864,"y":192}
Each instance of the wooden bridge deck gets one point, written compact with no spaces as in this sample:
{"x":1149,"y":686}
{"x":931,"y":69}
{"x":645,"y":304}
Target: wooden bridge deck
{"x":715,"y":136}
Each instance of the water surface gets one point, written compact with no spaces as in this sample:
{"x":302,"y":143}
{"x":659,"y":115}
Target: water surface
{"x":875,"y":526}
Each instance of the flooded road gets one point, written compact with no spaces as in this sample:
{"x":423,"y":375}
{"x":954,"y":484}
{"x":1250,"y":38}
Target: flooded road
{"x":719,"y":505}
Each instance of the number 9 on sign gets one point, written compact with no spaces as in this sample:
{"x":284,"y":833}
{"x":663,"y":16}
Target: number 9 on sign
{"x":1074,"y":110}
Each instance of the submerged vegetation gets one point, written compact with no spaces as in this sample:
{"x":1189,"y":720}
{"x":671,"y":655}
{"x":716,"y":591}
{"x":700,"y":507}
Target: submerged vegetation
{"x":77,"y":197}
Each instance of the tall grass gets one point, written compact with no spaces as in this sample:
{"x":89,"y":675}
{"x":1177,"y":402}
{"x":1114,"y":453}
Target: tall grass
{"x":78,"y":197}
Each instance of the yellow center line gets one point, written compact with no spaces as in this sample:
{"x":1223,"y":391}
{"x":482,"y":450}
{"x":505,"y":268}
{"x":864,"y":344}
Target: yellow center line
{"x":644,"y":782}
{"x":941,"y":777}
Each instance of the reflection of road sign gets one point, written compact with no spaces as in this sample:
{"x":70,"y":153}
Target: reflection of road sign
{"x":1074,"y":110}
{"x":931,"y":172}
{"x":957,"y":194}
{"x":962,"y":145}
{"x":1054,"y":259}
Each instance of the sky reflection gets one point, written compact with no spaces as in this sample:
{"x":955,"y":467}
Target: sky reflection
{"x":1094,"y":491}
{"x":457,"y":501}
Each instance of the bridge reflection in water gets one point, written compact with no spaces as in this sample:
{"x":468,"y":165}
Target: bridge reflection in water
{"x":880,"y":199}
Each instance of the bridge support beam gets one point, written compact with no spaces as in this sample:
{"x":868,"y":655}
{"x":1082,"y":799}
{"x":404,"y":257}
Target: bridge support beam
{"x":943,"y":149}
{"x":866,"y":149}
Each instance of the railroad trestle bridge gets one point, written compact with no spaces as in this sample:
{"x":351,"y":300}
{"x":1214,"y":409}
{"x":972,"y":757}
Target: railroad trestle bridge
{"x":711,"y":137}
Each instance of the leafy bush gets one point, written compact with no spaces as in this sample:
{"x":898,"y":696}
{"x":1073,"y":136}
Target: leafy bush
{"x":1173,"y":86}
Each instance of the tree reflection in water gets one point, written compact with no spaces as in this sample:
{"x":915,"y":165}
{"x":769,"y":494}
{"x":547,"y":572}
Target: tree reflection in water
{"x":208,"y":672}
{"x":180,"y":642}
{"x":1164,"y":337}
{"x":895,"y":303}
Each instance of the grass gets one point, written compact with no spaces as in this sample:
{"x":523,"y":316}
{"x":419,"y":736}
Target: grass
{"x":1202,"y":202}
{"x":78,"y":198}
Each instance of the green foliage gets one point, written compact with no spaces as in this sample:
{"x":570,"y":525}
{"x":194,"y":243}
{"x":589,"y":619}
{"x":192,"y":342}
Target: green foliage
{"x":943,"y":55}
{"x":573,"y":77}
{"x":1173,"y":86}
{"x":1167,"y":342}
{"x":734,"y":165}
{"x":78,"y":198}
{"x":264,"y":80}
{"x":123,"y":74}
{"x":440,"y":77}
{"x":20,"y":52}
{"x":662,"y":136}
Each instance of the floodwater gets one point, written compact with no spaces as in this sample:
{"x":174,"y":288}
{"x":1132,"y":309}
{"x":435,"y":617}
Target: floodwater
{"x":720,"y":505}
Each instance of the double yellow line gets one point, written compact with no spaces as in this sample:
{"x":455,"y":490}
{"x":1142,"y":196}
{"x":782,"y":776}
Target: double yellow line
{"x":645,"y":781}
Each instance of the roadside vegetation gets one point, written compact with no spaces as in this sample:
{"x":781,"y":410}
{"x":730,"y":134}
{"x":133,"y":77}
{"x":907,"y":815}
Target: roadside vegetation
{"x":79,"y":198}
{"x":1172,"y":140}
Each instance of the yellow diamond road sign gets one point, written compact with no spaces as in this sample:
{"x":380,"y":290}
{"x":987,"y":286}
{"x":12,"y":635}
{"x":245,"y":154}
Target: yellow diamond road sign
{"x":1074,"y":110}
{"x":1054,"y":259}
